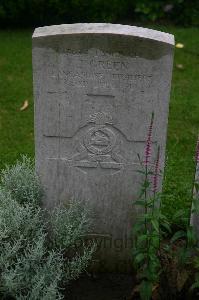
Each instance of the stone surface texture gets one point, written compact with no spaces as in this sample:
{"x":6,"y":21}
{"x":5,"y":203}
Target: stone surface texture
{"x":194,"y":220}
{"x":95,"y":87}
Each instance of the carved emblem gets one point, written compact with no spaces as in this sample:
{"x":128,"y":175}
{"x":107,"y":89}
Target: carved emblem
{"x":101,"y":118}
{"x":99,"y":140}
{"x":97,"y":149}
{"x":98,"y":146}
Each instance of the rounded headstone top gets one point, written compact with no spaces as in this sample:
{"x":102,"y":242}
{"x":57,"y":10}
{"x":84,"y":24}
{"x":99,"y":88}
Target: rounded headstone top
{"x":106,"y":28}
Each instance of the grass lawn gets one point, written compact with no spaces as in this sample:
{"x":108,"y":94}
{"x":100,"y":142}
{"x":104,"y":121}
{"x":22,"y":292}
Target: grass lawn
{"x":16,"y":127}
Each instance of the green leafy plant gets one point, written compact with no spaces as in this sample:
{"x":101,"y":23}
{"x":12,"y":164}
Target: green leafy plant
{"x":40,"y":12}
{"x":34,"y":250}
{"x":166,"y":259}
{"x":181,"y":264}
{"x":147,"y":231}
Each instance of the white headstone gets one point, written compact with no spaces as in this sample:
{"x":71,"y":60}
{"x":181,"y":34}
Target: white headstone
{"x":95,"y":88}
{"x":194,"y":220}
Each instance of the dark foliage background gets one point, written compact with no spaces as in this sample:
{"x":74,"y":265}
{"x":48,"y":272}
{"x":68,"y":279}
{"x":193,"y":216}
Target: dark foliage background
{"x":26,"y":13}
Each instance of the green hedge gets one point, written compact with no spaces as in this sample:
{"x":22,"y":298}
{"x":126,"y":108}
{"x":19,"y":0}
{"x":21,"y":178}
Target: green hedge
{"x":44,"y":12}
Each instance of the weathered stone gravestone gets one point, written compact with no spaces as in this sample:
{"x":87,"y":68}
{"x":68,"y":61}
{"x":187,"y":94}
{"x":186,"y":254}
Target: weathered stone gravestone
{"x":194,"y":221}
{"x":95,"y":88}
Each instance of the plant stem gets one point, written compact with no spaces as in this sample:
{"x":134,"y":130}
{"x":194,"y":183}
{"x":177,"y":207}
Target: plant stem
{"x":146,"y":210}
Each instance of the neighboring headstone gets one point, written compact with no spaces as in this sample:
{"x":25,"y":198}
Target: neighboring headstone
{"x":194,"y":220}
{"x":95,"y":88}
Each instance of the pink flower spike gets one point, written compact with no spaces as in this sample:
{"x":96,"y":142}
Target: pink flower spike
{"x":149,"y":142}
{"x":156,"y":172}
{"x":197,"y":151}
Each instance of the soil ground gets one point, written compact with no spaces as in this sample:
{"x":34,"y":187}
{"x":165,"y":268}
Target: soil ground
{"x":101,"y":287}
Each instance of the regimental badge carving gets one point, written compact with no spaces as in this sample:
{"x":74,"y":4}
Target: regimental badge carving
{"x":99,"y":140}
{"x":101,"y":118}
{"x":98,"y":147}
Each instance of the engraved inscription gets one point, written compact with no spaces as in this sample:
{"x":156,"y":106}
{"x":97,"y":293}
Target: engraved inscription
{"x":116,"y":80}
{"x":100,"y":69}
{"x":109,"y":65}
